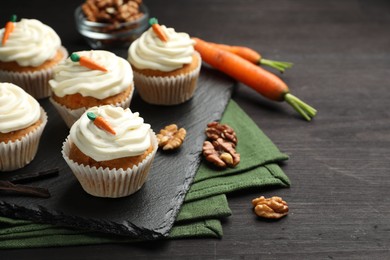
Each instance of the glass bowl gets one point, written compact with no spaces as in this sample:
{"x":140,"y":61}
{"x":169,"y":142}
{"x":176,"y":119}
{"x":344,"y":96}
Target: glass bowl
{"x":110,"y":35}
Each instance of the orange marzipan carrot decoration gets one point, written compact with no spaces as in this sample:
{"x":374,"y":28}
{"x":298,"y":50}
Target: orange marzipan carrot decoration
{"x":101,"y":122}
{"x":9,"y":28}
{"x":255,"y":77}
{"x":158,"y":30}
{"x":160,"y":33}
{"x":87,"y":62}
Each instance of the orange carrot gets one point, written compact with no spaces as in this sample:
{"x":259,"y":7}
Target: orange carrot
{"x":158,"y":29}
{"x":87,"y":62}
{"x":245,"y":52}
{"x":254,"y":56}
{"x":259,"y":79}
{"x":101,"y":123}
{"x":9,"y":27}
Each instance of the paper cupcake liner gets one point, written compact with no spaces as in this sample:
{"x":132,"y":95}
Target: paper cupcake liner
{"x":167,"y":90}
{"x":17,"y":154}
{"x":111,"y":183}
{"x":35,"y":83}
{"x":72,"y":115}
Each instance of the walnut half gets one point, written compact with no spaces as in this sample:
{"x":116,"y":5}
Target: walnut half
{"x":216,"y":130}
{"x":171,"y":137}
{"x":221,"y":153}
{"x":273,"y":207}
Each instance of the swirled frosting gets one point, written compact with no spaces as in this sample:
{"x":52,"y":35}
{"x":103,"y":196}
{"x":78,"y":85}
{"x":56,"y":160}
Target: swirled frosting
{"x":132,"y":136}
{"x":31,"y":43}
{"x":71,"y":78}
{"x":149,"y":52}
{"x":18,"y":109}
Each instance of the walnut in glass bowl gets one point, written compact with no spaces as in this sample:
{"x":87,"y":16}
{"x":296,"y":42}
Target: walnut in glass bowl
{"x":106,"y":24}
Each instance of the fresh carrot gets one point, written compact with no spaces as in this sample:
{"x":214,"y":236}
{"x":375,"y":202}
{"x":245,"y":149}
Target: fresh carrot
{"x":245,"y":52}
{"x":101,"y":122}
{"x":9,"y":27}
{"x":87,"y":62}
{"x":254,"y":56}
{"x":158,"y":29}
{"x":259,"y":79}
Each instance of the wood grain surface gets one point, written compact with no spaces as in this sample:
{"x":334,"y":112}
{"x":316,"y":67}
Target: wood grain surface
{"x":339,"y":163}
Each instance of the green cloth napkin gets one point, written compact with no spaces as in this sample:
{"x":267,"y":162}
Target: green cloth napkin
{"x":204,"y":205}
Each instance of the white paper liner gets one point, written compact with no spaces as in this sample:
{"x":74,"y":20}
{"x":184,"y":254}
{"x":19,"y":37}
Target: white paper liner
{"x":17,"y":154}
{"x":35,"y":83}
{"x":72,"y":115}
{"x":167,"y":90}
{"x":111,"y":183}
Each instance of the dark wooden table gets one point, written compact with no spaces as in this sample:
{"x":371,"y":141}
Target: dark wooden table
{"x":339,"y":163}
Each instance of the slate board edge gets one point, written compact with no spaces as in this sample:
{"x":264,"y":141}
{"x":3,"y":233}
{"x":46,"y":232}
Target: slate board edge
{"x":176,"y":204}
{"x":41,"y":215}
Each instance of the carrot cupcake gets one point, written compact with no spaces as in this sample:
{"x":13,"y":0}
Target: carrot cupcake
{"x":22,"y":121}
{"x":166,"y":66}
{"x":90,"y":78}
{"x":28,"y":53}
{"x":110,"y":151}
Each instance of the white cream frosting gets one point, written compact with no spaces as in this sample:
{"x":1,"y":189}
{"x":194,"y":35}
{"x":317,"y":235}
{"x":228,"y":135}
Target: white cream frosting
{"x":18,"y":109}
{"x":149,"y":52}
{"x":132,"y":136}
{"x":31,"y":43}
{"x":71,"y":78}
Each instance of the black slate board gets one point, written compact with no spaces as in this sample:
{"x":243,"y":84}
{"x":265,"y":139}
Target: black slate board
{"x":151,"y":211}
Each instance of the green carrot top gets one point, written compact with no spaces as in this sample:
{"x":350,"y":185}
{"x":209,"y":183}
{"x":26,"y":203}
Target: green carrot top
{"x":152,"y":21}
{"x":13,"y":18}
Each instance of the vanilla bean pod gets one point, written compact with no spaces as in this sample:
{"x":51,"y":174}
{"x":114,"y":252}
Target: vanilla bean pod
{"x":24,"y":189}
{"x":27,"y":177}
